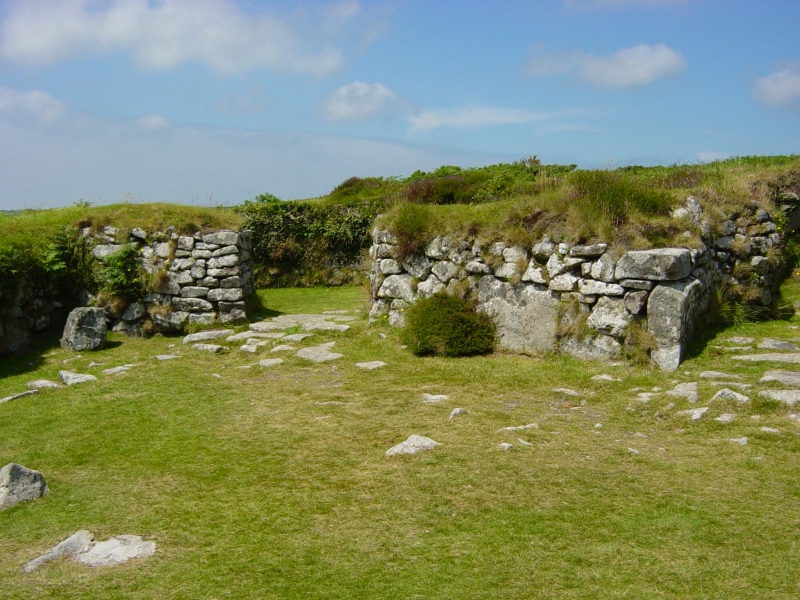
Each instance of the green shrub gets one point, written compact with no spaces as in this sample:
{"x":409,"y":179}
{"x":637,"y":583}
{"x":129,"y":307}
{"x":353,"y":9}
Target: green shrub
{"x":412,"y":227}
{"x":122,"y":275}
{"x":446,"y":325}
{"x":614,"y":196}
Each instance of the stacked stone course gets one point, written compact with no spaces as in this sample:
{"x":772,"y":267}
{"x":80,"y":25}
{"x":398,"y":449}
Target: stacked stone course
{"x":533,"y":293}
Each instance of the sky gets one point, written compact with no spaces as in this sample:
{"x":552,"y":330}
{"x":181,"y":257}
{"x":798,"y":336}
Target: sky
{"x":212,"y":102}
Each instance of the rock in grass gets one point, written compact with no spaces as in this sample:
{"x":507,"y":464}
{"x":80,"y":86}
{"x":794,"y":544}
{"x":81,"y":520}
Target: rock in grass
{"x":252,"y":348}
{"x":42,"y":384}
{"x":685,"y":390}
{"x":117,"y":370}
{"x":213,"y":348}
{"x":793,"y":357}
{"x":695,"y":414}
{"x":566,"y":392}
{"x":269,"y":326}
{"x":163,"y":357}
{"x":251,"y":335}
{"x":770,"y":430}
{"x":633,"y":451}
{"x":605,"y":377}
{"x":20,"y":484}
{"x":742,"y":441}
{"x":85,"y":330}
{"x":726,"y":418}
{"x":117,"y":550}
{"x":518,"y":427}
{"x":785,"y":377}
{"x":319,"y":353}
{"x":283,"y":348}
{"x":457,"y":412}
{"x":325,"y":326}
{"x":205,"y":336}
{"x":415,"y":443}
{"x":790,"y":397}
{"x":434,"y":398}
{"x":297,"y":337}
{"x":371,"y":365}
{"x":740,"y":340}
{"x":718,"y":375}
{"x":726,"y":394}
{"x":20,"y":395}
{"x":270,"y":362}
{"x":770,"y":344}
{"x":70,"y":378}
{"x":505,"y":446}
{"x":78,"y":542}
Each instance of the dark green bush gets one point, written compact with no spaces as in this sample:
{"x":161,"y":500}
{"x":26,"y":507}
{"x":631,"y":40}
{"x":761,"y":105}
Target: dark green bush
{"x":122,"y":275}
{"x":446,"y":325}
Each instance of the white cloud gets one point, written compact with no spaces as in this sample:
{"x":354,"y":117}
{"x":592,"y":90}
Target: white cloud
{"x":780,"y":89}
{"x":474,"y":116}
{"x":36,"y":105}
{"x":627,"y":68}
{"x":153,"y":122}
{"x":164,"y":34}
{"x":626,"y":3}
{"x":357,"y":101}
{"x":707,"y":157}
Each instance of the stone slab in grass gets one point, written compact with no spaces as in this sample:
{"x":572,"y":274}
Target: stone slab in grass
{"x":457,"y":412}
{"x":726,"y":394}
{"x":205,"y":336}
{"x":518,"y":427}
{"x":319,"y":353}
{"x":325,"y":326}
{"x":70,"y":378}
{"x":415,"y":443}
{"x":20,"y":484}
{"x":299,"y":319}
{"x":793,"y":357}
{"x":117,"y":550}
{"x":163,"y":357}
{"x":785,"y":377}
{"x":78,"y":542}
{"x":20,"y":395}
{"x":371,"y":365}
{"x":270,"y":362}
{"x":718,"y":375}
{"x":249,"y":335}
{"x":43,"y":384}
{"x":296,"y":337}
{"x":790,"y":397}
{"x":212,"y":348}
{"x":771,"y":344}
{"x":695,"y":414}
{"x":117,"y":370}
{"x":434,"y":398}
{"x":740,"y":339}
{"x":269,"y":326}
{"x":282,"y":348}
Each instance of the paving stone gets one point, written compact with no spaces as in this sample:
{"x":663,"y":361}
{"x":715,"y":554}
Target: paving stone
{"x":213,"y":348}
{"x":740,"y":340}
{"x":270,"y":362}
{"x":742,"y":441}
{"x":605,"y":377}
{"x":371,"y":365}
{"x":268,"y":326}
{"x":319,"y":353}
{"x":771,"y":344}
{"x":116,"y":551}
{"x":726,"y":418}
{"x":786,"y":358}
{"x":727,"y":394}
{"x":718,"y":375}
{"x":770,"y":430}
{"x":42,"y":384}
{"x":518,"y":427}
{"x":297,"y":337}
{"x":117,"y":370}
{"x":70,"y":378}
{"x":790,"y":397}
{"x":205,"y":336}
{"x":785,"y":377}
{"x":163,"y":357}
{"x":251,"y":335}
{"x":733,"y":384}
{"x":685,"y":390}
{"x":282,"y":348}
{"x":505,"y":446}
{"x":78,"y":542}
{"x":325,"y":326}
{"x":567,"y":392}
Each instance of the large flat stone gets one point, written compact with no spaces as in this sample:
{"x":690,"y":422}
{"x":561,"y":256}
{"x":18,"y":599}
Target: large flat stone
{"x":793,"y":357}
{"x":78,"y":542}
{"x":663,"y":264}
{"x":205,"y":336}
{"x":70,"y":378}
{"x":117,"y":550}
{"x":785,"y":377}
{"x":319,"y":353}
{"x":790,"y":397}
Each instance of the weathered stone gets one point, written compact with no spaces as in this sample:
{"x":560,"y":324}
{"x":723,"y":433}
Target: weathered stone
{"x":171,"y":322}
{"x":591,"y":286}
{"x":85,"y":330}
{"x":695,"y":414}
{"x":671,"y":313}
{"x":440,"y":247}
{"x":434,"y":398}
{"x":209,"y":282}
{"x":371,"y":365}
{"x":17,"y":396}
{"x":534,"y":274}
{"x":385,"y":251}
{"x":104,"y":250}
{"x":636,"y":302}
{"x":117,"y":550}
{"x":760,"y":264}
{"x":573,"y":262}
{"x":162,"y":249}
{"x":185,"y":243}
{"x":118,"y":370}
{"x":542,"y":250}
{"x":325,"y":326}
{"x":389,"y":266}
{"x":134,"y":311}
{"x":297,"y":337}
{"x":138,"y":232}
{"x":70,"y":378}
{"x":222,"y":262}
{"x":192,"y":304}
{"x":518,"y":428}
{"x":165,"y":286}
{"x":418,"y":266}
{"x":724,"y":243}
{"x":790,"y":397}
{"x":770,"y":344}
{"x":563,"y":283}
{"x":78,"y":542}
{"x":397,"y":286}
{"x":20,"y":484}
{"x":191,"y":291}
{"x":726,"y":394}
{"x":414,"y":443}
{"x":42,"y":384}
{"x":213,"y":348}
{"x":270,"y":362}
{"x":785,"y":377}
{"x":225,"y":295}
{"x":475,"y":267}
{"x":456,"y":412}
{"x":222,"y":238}
{"x":685,"y":390}
{"x":383,"y":237}
{"x":610,"y":317}
{"x":205,"y":336}
{"x":445,"y":270}
{"x":180,"y":277}
{"x":667,"y":264}
{"x":515,"y":254}
{"x":718,"y":375}
{"x":507,"y":271}
{"x":232,"y":282}
{"x":603,"y":268}
{"x":740,"y":339}
{"x":202,"y":254}
{"x":637,"y":284}
{"x":225,"y":251}
{"x":793,"y":357}
{"x":269,"y":326}
{"x":496,"y":249}
{"x":591,"y":251}
{"x":318,"y":354}
{"x":397,"y":318}
{"x":591,"y":347}
{"x":555,"y":266}
{"x":227,"y":307}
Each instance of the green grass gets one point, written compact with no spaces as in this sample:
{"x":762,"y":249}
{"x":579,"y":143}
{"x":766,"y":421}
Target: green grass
{"x":253,"y":490}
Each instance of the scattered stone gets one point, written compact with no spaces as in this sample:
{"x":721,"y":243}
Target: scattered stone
{"x":20,"y":395}
{"x":371,"y":365}
{"x":742,"y":441}
{"x":117,"y":370}
{"x":771,"y":344}
{"x":598,"y":425}
{"x":20,"y":484}
{"x":790,"y":397}
{"x":685,"y":390}
{"x":505,"y":446}
{"x":566,"y":392}
{"x":415,"y":443}
{"x":325,"y":326}
{"x":518,"y":427}
{"x":42,"y":384}
{"x":252,"y":348}
{"x":205,"y":336}
{"x":282,"y":348}
{"x":605,"y":377}
{"x":319,"y":353}
{"x":70,"y":378}
{"x":785,"y":377}
{"x":633,"y":451}
{"x":167,"y":356}
{"x":640,"y":435}
{"x":726,"y":418}
{"x":718,"y":375}
{"x":66,"y":361}
{"x":268,"y":326}
{"x":331,"y":403}
{"x":270,"y":362}
{"x":770,"y":430}
{"x":85,"y":330}
{"x":457,"y":412}
{"x":738,"y":386}
{"x":787,"y":358}
{"x":727,"y":394}
{"x":297,"y":337}
{"x":78,"y":542}
{"x":213,"y":348}
{"x":695,"y":414}
{"x":434,"y":398}
{"x":740,"y":340}
{"x":250,"y":335}
{"x":117,"y":550}
{"x":524,"y":442}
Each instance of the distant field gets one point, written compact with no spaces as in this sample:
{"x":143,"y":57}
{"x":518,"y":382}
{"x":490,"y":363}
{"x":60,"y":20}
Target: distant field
{"x":251,"y":489}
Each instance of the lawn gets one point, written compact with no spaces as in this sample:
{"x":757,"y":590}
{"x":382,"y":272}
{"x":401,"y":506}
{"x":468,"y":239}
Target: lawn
{"x":253,"y":489}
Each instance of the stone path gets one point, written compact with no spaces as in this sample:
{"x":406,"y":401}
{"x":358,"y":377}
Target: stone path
{"x":82,"y":548}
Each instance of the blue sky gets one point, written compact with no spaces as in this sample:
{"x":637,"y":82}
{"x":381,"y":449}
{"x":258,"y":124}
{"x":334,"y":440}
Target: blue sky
{"x":215,"y":101}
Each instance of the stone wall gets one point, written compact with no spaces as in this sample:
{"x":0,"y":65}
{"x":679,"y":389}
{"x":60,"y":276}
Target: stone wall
{"x":583,"y":299}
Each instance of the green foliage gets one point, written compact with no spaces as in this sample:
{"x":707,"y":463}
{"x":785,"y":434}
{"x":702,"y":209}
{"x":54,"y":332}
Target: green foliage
{"x":445,"y":325}
{"x":265,"y":198}
{"x":412,"y":227}
{"x":732,"y":305}
{"x":614,"y":196}
{"x":122,"y":275}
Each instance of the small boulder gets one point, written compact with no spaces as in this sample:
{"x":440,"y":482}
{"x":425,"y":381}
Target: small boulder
{"x":70,"y":378}
{"x":20,"y":484}
{"x":42,"y":384}
{"x":414,"y":443}
{"x":85,"y":330}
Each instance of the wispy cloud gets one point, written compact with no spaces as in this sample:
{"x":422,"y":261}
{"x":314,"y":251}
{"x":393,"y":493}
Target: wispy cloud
{"x":626,"y":68}
{"x":162,"y":35}
{"x":472,"y":116}
{"x":780,"y":89}
{"x":32,"y":105}
{"x":358,"y":101}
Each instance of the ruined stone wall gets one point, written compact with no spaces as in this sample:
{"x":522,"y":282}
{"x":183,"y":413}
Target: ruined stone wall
{"x":582,"y":299}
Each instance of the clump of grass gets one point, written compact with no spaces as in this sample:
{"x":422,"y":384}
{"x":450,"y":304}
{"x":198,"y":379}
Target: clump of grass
{"x":445,"y":325}
{"x":639,"y":343}
{"x":730,"y":304}
{"x":412,"y":226}
{"x":572,"y":321}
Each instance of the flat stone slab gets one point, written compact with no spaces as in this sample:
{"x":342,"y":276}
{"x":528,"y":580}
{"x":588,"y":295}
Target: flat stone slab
{"x":70,"y":378}
{"x":249,"y":335}
{"x":726,"y":418}
{"x":319,"y":354}
{"x":740,"y":340}
{"x":213,"y":348}
{"x":566,"y":392}
{"x":790,"y":397}
{"x":742,"y":441}
{"x":605,"y":377}
{"x":685,"y":390}
{"x":770,"y":430}
{"x":205,"y":336}
{"x":371,"y":365}
{"x":695,"y":414}
{"x":718,"y":375}
{"x":252,"y":348}
{"x":43,"y":384}
{"x":269,"y":326}
{"x":117,"y":370}
{"x":518,"y":427}
{"x":434,"y":398}
{"x":726,"y":394}
{"x":786,"y":358}
{"x":771,"y":344}
{"x":297,"y":337}
{"x":785,"y":377}
{"x":733,"y":384}
{"x":78,"y":542}
{"x":282,"y":348}
{"x":167,"y":357}
{"x":20,"y":395}
{"x":299,"y":319}
{"x":325,"y":326}
{"x":117,"y":550}
{"x":415,"y":443}
{"x":270,"y":362}
{"x":20,"y":484}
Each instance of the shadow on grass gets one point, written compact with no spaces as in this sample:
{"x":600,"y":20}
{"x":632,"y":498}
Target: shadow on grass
{"x":32,"y":357}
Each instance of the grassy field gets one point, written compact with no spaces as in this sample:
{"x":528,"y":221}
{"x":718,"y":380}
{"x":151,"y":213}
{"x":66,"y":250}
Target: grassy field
{"x":252,"y":489}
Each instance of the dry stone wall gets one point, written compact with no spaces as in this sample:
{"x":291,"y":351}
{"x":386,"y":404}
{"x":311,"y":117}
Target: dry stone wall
{"x":581,"y":299}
